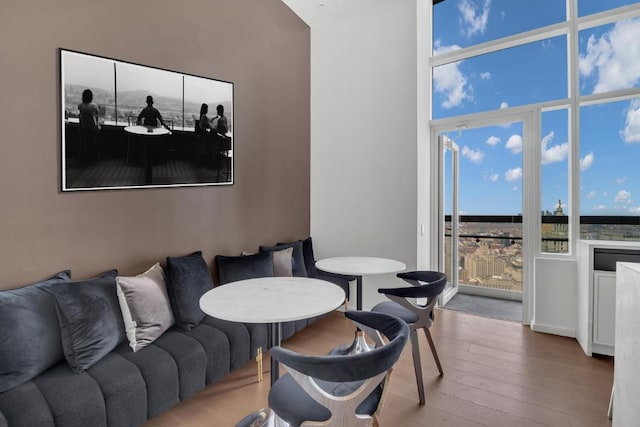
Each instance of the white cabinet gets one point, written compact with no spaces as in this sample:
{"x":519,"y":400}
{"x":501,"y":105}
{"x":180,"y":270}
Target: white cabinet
{"x":596,"y":293}
{"x":626,"y":383}
{"x":604,"y":310}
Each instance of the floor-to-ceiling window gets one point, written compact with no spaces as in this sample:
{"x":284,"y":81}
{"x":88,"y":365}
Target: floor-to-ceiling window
{"x":574,"y":66}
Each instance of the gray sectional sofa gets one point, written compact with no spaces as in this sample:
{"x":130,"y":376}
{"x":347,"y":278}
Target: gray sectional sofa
{"x":46,"y":381}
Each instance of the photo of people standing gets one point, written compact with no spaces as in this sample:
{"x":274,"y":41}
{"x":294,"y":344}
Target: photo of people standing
{"x":128,"y":125}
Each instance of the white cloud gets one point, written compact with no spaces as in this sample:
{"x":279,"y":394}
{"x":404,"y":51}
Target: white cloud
{"x":599,"y":207}
{"x":514,"y":188}
{"x":631,"y":131}
{"x":592,"y":194}
{"x":485,"y":76}
{"x":514,"y":143}
{"x":493,"y":140}
{"x":494,"y":177}
{"x":513,"y":174}
{"x":475,"y":156}
{"x":474,"y":19}
{"x":449,"y":81}
{"x":504,"y":105}
{"x":555,"y":153}
{"x":586,"y":161}
{"x":635,"y":209}
{"x":613,"y":57}
{"x":623,"y":196}
{"x":622,"y":180}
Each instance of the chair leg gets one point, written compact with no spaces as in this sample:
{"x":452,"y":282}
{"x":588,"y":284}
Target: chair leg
{"x":415,"y":350}
{"x":433,"y":350}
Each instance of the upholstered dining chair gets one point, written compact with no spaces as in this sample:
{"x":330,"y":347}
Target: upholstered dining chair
{"x":403,"y":304}
{"x":343,"y":390}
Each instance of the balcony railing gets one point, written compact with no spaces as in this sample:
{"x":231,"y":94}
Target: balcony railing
{"x":490,"y":246}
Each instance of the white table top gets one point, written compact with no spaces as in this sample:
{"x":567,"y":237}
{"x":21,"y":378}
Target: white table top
{"x":360,"y":266}
{"x":147,"y":130}
{"x":272,"y":299}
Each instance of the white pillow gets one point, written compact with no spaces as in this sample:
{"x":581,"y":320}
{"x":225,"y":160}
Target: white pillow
{"x":145,"y":306}
{"x":282,"y":264}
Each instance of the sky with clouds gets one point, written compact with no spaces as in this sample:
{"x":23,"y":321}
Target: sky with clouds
{"x":491,"y":158}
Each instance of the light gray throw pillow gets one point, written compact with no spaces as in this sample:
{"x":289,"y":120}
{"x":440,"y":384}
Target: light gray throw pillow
{"x":282,"y":263}
{"x":145,"y":306}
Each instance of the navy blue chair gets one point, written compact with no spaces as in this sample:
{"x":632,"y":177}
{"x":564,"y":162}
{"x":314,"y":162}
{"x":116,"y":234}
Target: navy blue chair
{"x":339,"y":390}
{"x":403,"y":304}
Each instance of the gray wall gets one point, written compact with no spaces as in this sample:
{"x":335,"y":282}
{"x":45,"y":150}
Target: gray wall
{"x":260,"y":45}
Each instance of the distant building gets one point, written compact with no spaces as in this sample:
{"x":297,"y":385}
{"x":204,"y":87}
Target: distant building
{"x":555,"y":234}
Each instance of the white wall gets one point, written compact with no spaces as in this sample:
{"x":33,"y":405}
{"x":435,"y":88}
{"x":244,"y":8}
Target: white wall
{"x":364,"y":135}
{"x":555,"y":302}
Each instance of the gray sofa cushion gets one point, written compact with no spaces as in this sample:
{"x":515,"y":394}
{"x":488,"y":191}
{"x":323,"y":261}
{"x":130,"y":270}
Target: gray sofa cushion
{"x":160,"y":374}
{"x":30,"y":339}
{"x":239,"y":341}
{"x":234,"y":268}
{"x":299,"y":269}
{"x":190,"y":359}
{"x":25,"y":406}
{"x":216,"y":346}
{"x":188,"y":278}
{"x":75,"y":400}
{"x":123,"y":390}
{"x":90,"y":319}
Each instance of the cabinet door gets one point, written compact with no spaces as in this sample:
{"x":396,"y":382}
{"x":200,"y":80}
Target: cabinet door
{"x":604,"y":307}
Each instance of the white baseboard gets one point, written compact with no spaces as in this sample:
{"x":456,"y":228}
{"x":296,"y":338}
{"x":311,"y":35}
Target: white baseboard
{"x":556,"y":330}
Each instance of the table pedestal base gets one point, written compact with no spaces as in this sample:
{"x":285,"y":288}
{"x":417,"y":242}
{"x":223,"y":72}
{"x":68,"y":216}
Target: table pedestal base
{"x":264,"y":417}
{"x":359,"y":345}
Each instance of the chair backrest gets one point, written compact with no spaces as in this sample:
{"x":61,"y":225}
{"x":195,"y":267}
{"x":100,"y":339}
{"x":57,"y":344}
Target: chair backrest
{"x":367,"y":370}
{"x":425,"y":284}
{"x":353,"y":367}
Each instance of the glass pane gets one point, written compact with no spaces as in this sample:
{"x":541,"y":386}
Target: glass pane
{"x":610,"y":57}
{"x":88,"y":72}
{"x":610,"y":177}
{"x":555,"y":181}
{"x":198,"y":91}
{"x":496,"y":80}
{"x":490,"y":197}
{"x":449,"y":264}
{"x":587,"y":7}
{"x":465,"y":23}
{"x":136,"y":82}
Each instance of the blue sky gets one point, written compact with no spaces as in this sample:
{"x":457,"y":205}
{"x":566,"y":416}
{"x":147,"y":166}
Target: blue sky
{"x":491,"y":158}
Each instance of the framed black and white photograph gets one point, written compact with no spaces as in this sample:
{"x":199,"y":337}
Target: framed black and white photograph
{"x":127,"y":125}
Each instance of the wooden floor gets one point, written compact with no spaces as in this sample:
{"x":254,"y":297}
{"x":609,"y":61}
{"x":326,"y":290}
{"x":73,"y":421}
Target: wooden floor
{"x":496,"y":373}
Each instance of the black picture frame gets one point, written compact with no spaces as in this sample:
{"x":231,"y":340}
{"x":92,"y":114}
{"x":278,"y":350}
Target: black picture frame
{"x":112,"y":137}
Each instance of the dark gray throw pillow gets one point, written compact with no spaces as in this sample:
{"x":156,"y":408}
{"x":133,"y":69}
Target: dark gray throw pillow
{"x":234,"y":268}
{"x":188,"y":278}
{"x":29,"y":333}
{"x":90,"y":319}
{"x":299,"y":270}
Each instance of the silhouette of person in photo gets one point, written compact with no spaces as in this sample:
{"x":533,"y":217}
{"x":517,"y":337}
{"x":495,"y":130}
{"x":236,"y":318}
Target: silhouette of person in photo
{"x":150,"y":116}
{"x":89,"y":124}
{"x":204,"y":125}
{"x":220,"y":123}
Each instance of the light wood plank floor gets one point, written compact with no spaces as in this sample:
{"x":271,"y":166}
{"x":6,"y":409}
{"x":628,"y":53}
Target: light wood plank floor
{"x":496,"y":373}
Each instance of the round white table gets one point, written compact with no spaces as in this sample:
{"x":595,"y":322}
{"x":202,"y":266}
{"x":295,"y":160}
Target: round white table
{"x":272,"y":300}
{"x":147,"y":131}
{"x":360,"y":266}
